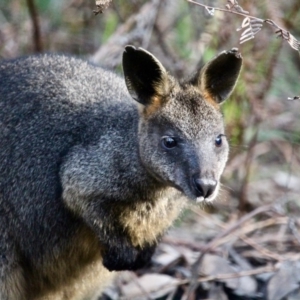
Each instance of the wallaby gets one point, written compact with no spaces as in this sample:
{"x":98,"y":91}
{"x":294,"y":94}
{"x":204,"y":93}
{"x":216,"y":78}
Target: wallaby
{"x":90,"y":179}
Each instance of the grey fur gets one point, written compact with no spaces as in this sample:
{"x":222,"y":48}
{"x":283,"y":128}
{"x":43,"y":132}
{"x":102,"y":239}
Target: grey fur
{"x":84,"y":176}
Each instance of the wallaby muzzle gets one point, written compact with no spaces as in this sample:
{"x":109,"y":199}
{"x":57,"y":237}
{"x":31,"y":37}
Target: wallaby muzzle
{"x":204,"y":187}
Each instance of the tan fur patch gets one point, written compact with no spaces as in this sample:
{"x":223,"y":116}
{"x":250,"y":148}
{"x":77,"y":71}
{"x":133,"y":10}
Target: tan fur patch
{"x":150,"y":220}
{"x":156,"y":103}
{"x":84,"y":279}
{"x":92,"y":282}
{"x":14,"y":285}
{"x":209,"y":98}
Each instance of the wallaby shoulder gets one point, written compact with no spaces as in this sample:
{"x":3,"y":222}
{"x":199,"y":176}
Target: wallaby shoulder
{"x":50,"y":105}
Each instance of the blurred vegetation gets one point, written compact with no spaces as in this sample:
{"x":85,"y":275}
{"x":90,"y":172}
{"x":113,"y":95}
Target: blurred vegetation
{"x":263,"y":126}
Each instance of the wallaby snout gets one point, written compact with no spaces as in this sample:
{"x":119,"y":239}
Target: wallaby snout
{"x":204,"y":187}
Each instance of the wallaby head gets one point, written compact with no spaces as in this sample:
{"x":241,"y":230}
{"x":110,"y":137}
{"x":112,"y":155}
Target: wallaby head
{"x":181,"y":133}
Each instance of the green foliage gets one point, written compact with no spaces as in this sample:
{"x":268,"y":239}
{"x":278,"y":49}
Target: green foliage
{"x":183,"y":35}
{"x":209,"y":54}
{"x":46,"y":5}
{"x":109,"y":26}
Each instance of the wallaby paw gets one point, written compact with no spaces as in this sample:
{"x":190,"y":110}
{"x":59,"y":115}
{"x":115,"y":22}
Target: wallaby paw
{"x":128,"y":258}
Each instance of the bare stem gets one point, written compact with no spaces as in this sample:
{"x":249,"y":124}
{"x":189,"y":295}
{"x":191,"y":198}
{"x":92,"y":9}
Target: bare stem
{"x":283,"y":33}
{"x":224,"y":10}
{"x":37,"y":39}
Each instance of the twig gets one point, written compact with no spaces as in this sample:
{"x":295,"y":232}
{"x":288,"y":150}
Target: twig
{"x":143,"y":291}
{"x":265,"y":252}
{"x":252,"y":30}
{"x":255,"y":99}
{"x":248,"y":162}
{"x":191,"y":245}
{"x":37,"y":40}
{"x":256,"y":271}
{"x":212,"y":243}
{"x":294,"y":229}
{"x":241,"y":232}
{"x":212,"y":8}
{"x":136,"y":30}
{"x":147,"y":35}
{"x":267,"y":269}
{"x":294,"y":98}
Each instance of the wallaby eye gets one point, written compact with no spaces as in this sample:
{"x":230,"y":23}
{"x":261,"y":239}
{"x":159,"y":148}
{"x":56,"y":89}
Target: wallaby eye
{"x":169,"y":142}
{"x":218,"y":140}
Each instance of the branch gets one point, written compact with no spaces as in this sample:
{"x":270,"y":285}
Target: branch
{"x":212,"y":8}
{"x":251,"y":24}
{"x":214,"y":242}
{"x":37,"y":40}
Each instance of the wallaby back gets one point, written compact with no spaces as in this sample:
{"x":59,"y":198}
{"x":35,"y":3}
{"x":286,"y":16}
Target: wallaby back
{"x":89,"y":178}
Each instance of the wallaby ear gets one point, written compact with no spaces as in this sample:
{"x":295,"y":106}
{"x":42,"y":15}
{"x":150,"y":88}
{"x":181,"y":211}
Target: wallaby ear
{"x":218,"y":77}
{"x":145,"y":77}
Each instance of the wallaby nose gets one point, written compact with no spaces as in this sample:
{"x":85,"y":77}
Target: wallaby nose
{"x":204,"y":187}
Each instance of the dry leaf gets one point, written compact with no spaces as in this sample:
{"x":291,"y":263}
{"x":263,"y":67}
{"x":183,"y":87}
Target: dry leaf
{"x":284,"y":281}
{"x":213,"y":265}
{"x":101,"y":6}
{"x":287,"y":180}
{"x":151,"y":285}
{"x":168,"y":256}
